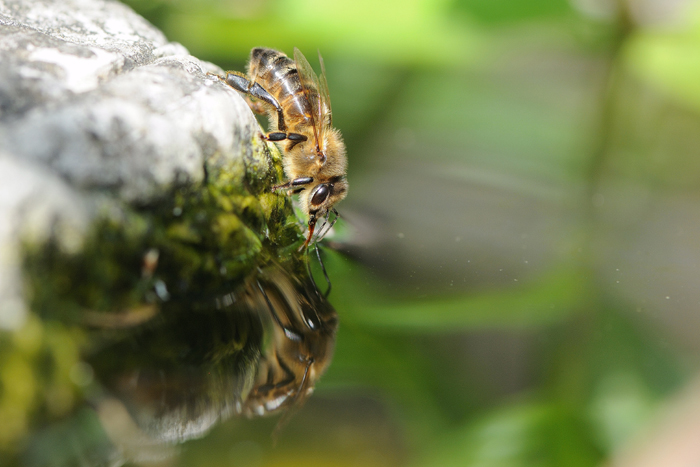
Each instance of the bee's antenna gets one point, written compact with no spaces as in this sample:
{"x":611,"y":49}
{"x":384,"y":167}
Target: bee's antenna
{"x":328,"y":226}
{"x":324,"y":228}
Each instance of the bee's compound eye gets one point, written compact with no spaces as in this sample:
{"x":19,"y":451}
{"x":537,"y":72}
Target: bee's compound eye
{"x":321,"y":194}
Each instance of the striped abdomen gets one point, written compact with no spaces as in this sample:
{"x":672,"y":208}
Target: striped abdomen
{"x":278,"y":74}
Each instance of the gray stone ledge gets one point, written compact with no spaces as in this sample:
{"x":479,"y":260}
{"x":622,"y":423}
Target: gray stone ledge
{"x":96,"y":104}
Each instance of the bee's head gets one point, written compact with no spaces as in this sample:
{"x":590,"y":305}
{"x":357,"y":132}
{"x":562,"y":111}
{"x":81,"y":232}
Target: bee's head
{"x":319,"y":200}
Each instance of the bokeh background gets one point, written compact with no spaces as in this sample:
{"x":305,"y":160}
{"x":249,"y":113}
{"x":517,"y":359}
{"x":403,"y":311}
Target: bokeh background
{"x":516,"y":272}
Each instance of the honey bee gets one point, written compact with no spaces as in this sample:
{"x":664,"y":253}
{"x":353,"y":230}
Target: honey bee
{"x":298,"y":107}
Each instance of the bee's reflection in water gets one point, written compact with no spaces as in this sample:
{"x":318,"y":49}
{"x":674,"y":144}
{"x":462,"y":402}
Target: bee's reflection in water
{"x":258,"y":350}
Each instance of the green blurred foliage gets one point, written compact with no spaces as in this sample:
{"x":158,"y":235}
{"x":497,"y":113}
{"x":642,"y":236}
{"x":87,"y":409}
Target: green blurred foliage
{"x":549,"y":300}
{"x":670,"y":57}
{"x":416,"y":31}
{"x":38,"y":365}
{"x":503,"y":12}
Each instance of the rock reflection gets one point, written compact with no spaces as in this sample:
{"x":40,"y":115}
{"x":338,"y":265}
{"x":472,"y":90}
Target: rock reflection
{"x":255,"y":351}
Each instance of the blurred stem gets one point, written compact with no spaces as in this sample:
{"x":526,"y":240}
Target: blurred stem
{"x":612,"y":83}
{"x":572,"y":372}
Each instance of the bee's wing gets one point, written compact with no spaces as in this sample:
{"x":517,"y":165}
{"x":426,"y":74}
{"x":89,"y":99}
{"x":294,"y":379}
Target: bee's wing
{"x":325,"y":95}
{"x":314,"y":91}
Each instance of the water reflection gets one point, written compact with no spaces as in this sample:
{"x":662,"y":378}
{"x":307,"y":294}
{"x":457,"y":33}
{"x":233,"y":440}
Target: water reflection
{"x":257,"y":350}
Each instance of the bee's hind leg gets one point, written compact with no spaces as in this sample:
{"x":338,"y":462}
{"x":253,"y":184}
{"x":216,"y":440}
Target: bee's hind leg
{"x":242,"y":83}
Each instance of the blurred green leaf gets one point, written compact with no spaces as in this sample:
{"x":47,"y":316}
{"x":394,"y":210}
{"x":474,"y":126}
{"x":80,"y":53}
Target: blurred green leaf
{"x":523,"y":434}
{"x":670,"y":58}
{"x":390,"y":368}
{"x":621,"y":404}
{"x":78,"y":440}
{"x":551,"y":298}
{"x":513,"y":119}
{"x":499,"y":12}
{"x":416,"y":31}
